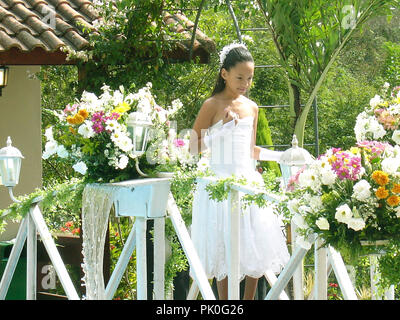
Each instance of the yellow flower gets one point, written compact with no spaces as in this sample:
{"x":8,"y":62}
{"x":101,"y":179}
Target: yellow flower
{"x":380,"y":177}
{"x":122,"y":108}
{"x":393,"y":200}
{"x":72,"y":130}
{"x":354,"y":150}
{"x":382,"y":193}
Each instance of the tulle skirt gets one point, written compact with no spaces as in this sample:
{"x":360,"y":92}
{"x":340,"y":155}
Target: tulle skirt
{"x":262,"y":240}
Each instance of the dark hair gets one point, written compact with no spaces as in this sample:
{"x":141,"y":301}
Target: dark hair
{"x":234,"y":56}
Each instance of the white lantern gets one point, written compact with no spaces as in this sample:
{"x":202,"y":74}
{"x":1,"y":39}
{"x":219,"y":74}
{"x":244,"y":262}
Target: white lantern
{"x":10,"y":164}
{"x":139,"y":126}
{"x":293,"y":159}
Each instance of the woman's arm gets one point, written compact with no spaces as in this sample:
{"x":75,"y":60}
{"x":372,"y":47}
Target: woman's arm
{"x":262,"y":153}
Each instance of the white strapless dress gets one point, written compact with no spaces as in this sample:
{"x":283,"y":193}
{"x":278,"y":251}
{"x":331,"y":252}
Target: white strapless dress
{"x":262,"y":241}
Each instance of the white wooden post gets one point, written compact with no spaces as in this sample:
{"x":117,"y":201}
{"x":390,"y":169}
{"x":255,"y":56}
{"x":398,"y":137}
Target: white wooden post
{"x":341,"y":274}
{"x":199,"y":275}
{"x":298,"y":275}
{"x":52,"y":251}
{"x":193,"y":291}
{"x":159,"y":258}
{"x":287,"y":273}
{"x":321,"y":274}
{"x":271,"y":278}
{"x":141,"y":264}
{"x":234,"y":245}
{"x":31,"y":259}
{"x":13,"y":258}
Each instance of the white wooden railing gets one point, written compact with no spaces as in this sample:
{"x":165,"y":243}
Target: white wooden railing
{"x":326,"y":259}
{"x":32,"y":224}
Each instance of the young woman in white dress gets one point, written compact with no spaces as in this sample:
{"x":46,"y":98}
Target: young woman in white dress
{"x":229,"y":119}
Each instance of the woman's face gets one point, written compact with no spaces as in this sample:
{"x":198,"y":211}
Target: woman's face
{"x":238,"y":79}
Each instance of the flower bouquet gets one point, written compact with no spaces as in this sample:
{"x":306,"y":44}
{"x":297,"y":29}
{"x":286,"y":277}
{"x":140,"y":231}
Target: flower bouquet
{"x":347,"y":196}
{"x":92,"y":134}
{"x":381,"y":119}
{"x":169,"y":153}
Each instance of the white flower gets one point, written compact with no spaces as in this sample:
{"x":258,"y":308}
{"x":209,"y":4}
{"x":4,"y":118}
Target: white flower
{"x":367,"y":125}
{"x":322,"y":223}
{"x":80,"y":167}
{"x":86,"y":130}
{"x":298,"y":220}
{"x":225,"y":50}
{"x":356,"y":224}
{"x":49,"y":134}
{"x":203,"y":164}
{"x":396,"y":136}
{"x":390,"y":165}
{"x":308,"y":178}
{"x":375,"y":101}
{"x":397,"y":212}
{"x":123,"y":162}
{"x":122,"y":141}
{"x":62,"y":152}
{"x":362,"y":190}
{"x":343,"y":213}
{"x":328,"y":177}
{"x":112,"y":125}
{"x":50,"y":149}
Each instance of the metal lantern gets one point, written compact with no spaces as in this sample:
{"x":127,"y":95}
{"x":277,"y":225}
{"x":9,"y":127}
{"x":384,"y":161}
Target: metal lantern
{"x":3,"y":77}
{"x":10,"y":164}
{"x":138,"y":127}
{"x":293,"y":159}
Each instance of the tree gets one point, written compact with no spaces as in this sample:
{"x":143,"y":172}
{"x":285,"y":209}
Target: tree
{"x":309,"y":35}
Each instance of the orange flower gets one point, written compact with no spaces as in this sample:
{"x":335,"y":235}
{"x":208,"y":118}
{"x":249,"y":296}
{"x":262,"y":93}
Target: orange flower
{"x":396,"y":188}
{"x":71,"y":120}
{"x":382,"y":193}
{"x":83,"y":113}
{"x":393,"y":200}
{"x":72,"y":130}
{"x":380,"y":177}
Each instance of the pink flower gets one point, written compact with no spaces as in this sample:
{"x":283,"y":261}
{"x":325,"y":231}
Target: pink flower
{"x":70,"y":109}
{"x":179,"y":143}
{"x":346,"y":166}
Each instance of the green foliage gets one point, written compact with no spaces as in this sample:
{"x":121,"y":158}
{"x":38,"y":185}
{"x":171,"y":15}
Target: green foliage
{"x":59,"y":203}
{"x":311,"y":42}
{"x":391,"y":68}
{"x":264,"y":138}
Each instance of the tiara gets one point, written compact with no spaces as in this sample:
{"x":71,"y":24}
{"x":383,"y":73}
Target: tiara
{"x":225,"y":50}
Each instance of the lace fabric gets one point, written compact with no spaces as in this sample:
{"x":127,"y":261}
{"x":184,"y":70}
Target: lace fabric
{"x":97,"y":201}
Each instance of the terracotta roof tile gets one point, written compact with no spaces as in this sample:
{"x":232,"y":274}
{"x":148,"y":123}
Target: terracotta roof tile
{"x":48,"y":24}
{"x":51,"y":24}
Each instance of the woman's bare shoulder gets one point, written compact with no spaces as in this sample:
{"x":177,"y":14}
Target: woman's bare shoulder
{"x":250,"y":104}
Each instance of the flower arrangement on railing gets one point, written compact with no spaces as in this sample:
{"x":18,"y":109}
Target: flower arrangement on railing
{"x":168,"y":153}
{"x":381,"y":119}
{"x":347,"y":196}
{"x":95,"y":134}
